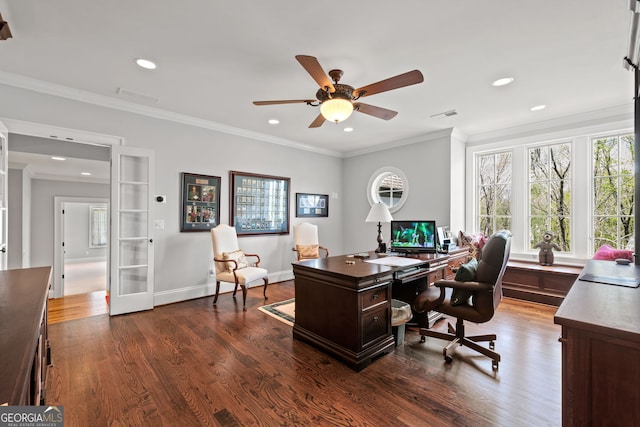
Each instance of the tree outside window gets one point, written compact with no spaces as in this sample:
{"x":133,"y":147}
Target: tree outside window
{"x":494,"y":192}
{"x":613,"y":190}
{"x":550,"y":194}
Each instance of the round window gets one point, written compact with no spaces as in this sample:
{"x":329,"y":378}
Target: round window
{"x":388,"y":185}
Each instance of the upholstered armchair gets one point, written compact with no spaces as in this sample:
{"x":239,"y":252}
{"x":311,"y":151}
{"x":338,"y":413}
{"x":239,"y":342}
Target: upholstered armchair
{"x":232,"y":263}
{"x":473,"y":296}
{"x":305,"y":239}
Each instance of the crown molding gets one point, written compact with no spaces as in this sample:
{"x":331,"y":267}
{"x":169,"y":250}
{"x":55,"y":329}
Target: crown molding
{"x":620,"y":113}
{"x":442,"y":133}
{"x":156,"y":113}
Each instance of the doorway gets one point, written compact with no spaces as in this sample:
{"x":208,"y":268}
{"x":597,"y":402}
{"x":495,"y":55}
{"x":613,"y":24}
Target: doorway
{"x":85,"y":247}
{"x":131,"y":173}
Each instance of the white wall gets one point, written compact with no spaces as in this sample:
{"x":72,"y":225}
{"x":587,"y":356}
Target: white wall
{"x":183,"y":260}
{"x":427,"y":166}
{"x":76,"y":234}
{"x":42,"y":213}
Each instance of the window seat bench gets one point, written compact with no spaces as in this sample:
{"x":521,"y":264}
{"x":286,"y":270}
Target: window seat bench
{"x":531,"y":281}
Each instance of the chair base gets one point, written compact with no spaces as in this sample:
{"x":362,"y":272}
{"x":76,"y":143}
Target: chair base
{"x":457,"y":338}
{"x":244,"y":293}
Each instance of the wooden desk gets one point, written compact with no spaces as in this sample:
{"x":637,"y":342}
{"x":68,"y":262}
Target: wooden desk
{"x":601,"y":351}
{"x":24,"y":346}
{"x":345,"y":309}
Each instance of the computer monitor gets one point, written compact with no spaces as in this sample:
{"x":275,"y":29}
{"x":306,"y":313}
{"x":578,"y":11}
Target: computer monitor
{"x":413,"y":236}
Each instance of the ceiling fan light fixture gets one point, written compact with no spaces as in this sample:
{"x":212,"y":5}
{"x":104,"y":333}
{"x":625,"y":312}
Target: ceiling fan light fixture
{"x":336,"y":109}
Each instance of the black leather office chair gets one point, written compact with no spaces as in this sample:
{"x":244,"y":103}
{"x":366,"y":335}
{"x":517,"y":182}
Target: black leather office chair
{"x":483,"y":294}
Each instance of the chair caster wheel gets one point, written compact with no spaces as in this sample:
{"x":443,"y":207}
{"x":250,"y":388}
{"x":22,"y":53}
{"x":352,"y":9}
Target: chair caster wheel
{"x":448,"y":360}
{"x":492,"y":345}
{"x":423,"y":338}
{"x":494,"y":365}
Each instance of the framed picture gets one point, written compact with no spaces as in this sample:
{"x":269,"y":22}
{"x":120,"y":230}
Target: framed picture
{"x":259,"y":204}
{"x":200,"y":202}
{"x":312,"y":205}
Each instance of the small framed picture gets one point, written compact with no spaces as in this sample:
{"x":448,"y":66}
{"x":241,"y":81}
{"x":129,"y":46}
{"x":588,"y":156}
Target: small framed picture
{"x":312,"y":205}
{"x":200,"y":207}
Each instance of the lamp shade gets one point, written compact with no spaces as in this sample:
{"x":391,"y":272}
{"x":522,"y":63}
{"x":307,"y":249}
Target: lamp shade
{"x":379,"y":213}
{"x":336,"y":109}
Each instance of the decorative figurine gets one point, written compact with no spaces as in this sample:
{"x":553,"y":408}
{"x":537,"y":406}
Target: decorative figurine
{"x":545,"y":256}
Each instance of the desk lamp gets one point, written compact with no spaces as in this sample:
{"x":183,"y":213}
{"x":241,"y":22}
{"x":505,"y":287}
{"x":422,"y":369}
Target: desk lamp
{"x":379,"y":213}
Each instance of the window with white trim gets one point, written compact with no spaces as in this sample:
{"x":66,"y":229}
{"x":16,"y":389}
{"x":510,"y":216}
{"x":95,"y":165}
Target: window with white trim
{"x":494,"y":192}
{"x":581,"y":188}
{"x":613,"y":190}
{"x":550,"y":194}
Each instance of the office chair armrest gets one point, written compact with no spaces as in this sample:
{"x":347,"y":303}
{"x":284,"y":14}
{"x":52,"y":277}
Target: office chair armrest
{"x":465,"y":286}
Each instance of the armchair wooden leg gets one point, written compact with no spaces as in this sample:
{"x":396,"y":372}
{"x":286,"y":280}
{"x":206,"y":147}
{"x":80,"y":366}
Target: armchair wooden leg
{"x":244,"y":297}
{"x":215,"y":298}
{"x":266,"y":282}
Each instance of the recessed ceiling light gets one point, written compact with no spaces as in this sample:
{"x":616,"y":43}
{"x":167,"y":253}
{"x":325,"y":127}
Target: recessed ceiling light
{"x":57,"y":158}
{"x":538,"y":107}
{"x":348,"y":129}
{"x":85,"y":173}
{"x":274,"y":121}
{"x":503,"y":81}
{"x":145,"y":63}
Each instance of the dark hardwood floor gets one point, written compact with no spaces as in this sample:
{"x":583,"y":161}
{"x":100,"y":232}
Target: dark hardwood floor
{"x":191,"y":364}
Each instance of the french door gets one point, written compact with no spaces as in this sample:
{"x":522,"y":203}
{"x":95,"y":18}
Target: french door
{"x":4,"y":135}
{"x":131,"y":254}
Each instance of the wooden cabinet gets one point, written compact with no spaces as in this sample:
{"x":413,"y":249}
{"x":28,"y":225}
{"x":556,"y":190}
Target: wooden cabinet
{"x":534,"y":282}
{"x":344,"y":309}
{"x":24,"y":338}
{"x":600,"y":351}
{"x":456,"y":258}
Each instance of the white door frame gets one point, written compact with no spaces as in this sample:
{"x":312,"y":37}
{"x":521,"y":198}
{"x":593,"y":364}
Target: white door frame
{"x":4,"y":207}
{"x":57,"y":289}
{"x":79,"y":136}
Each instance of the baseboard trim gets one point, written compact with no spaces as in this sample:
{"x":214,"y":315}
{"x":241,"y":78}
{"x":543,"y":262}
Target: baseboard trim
{"x":209,"y":289}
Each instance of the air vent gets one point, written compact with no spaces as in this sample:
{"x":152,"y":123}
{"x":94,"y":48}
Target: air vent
{"x":137,"y":96}
{"x":444,"y":114}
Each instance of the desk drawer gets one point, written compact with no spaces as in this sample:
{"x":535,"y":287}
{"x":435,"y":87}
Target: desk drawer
{"x":375,"y":324}
{"x":374,"y":297}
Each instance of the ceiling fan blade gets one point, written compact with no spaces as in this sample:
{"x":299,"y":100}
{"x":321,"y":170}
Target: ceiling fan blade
{"x":311,"y":64}
{"x":402,"y":80}
{"x":372,"y":110}
{"x":319,"y":121}
{"x":288,"y":101}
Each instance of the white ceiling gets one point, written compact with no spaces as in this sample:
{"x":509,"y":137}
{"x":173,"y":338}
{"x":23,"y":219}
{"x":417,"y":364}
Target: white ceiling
{"x":43,"y":167}
{"x":216,"y":57}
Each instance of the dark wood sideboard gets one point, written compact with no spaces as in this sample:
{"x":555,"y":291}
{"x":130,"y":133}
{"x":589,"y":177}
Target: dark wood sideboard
{"x":538,"y":283}
{"x":343,"y":304}
{"x":601,"y":350}
{"x":24,"y":344}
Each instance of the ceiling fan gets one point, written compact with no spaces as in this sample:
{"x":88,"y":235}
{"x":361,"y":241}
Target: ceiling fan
{"x":337,"y":101}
